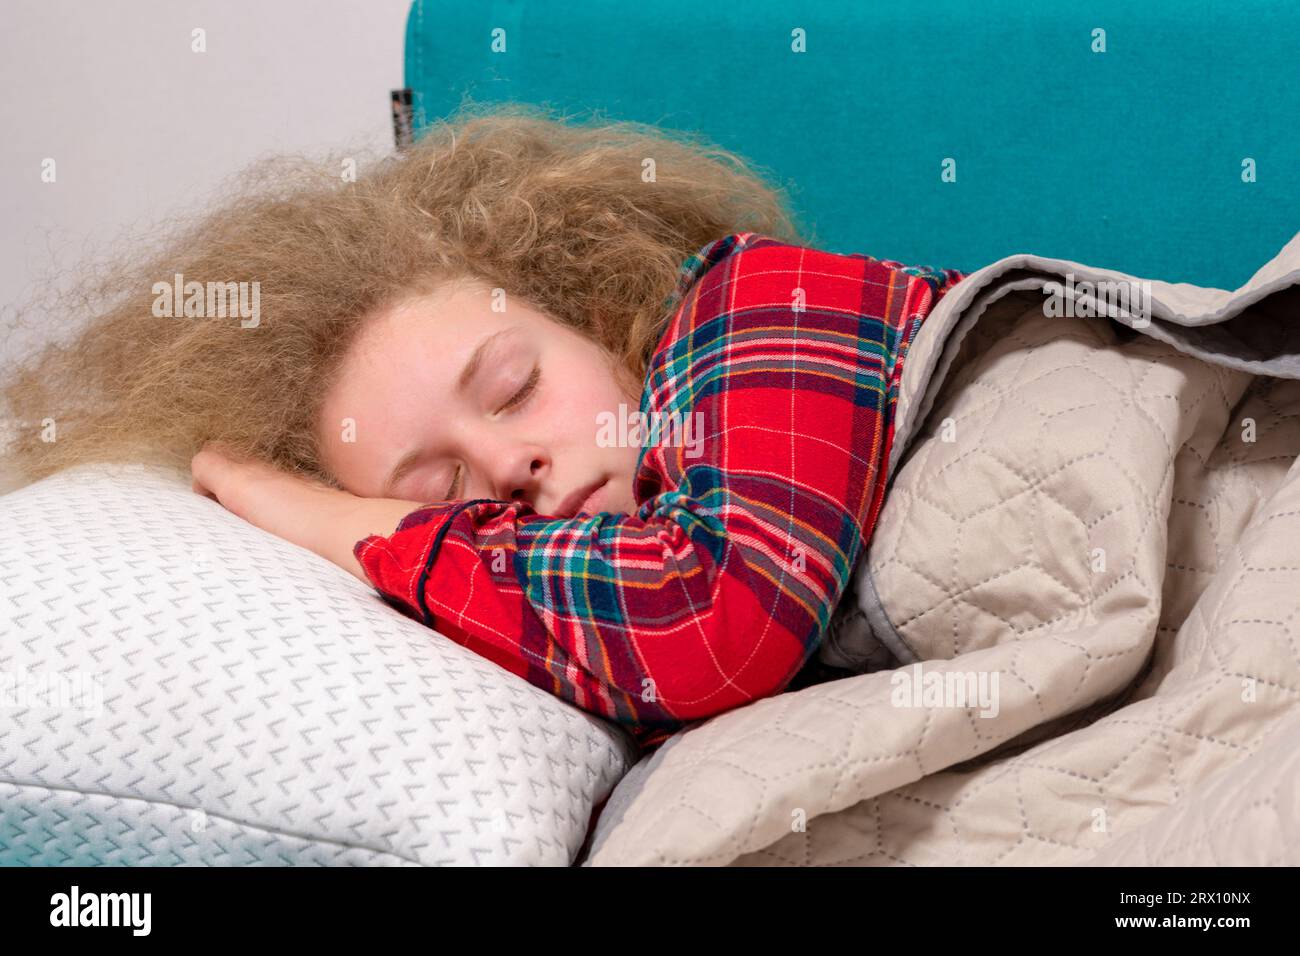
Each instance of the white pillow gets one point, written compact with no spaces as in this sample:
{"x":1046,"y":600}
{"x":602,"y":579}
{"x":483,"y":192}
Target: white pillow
{"x":180,"y":687}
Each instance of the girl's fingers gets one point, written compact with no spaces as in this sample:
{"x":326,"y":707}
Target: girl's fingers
{"x":207,"y":468}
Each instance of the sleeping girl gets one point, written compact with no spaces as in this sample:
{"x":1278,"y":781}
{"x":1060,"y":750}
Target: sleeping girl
{"x":574,"y":395}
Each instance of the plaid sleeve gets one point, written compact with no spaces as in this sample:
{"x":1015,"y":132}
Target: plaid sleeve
{"x":939,"y":280}
{"x":764,"y":425}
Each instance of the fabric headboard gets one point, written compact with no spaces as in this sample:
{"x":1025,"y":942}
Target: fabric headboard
{"x":1137,"y":158}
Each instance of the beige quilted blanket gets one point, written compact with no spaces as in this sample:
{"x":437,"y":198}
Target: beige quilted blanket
{"x":1090,"y":553}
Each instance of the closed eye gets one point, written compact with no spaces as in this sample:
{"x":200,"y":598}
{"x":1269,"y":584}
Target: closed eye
{"x":451,"y":489}
{"x":525,"y":392}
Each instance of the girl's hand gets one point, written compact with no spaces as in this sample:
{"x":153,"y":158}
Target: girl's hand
{"x":321,"y":519}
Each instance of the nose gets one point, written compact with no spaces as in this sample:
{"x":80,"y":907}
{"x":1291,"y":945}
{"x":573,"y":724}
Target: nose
{"x":517,"y":474}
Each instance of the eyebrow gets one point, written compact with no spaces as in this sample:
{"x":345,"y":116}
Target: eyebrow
{"x":476,"y":360}
{"x":471,"y":369}
{"x":400,"y":471}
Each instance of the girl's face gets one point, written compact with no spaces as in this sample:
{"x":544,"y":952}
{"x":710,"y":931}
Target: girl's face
{"x":442,"y":398}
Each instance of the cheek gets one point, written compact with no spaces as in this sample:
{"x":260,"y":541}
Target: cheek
{"x":624,"y":460}
{"x":575,"y":414}
{"x":585,"y":394}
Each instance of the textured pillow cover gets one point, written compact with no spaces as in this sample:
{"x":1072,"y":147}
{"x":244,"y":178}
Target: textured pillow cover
{"x":180,"y":687}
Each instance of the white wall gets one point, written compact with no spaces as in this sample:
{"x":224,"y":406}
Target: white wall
{"x":141,"y":127}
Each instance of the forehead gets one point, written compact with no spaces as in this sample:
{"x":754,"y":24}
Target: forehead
{"x":402,"y":369}
{"x":431,"y":329}
{"x":428,"y":340}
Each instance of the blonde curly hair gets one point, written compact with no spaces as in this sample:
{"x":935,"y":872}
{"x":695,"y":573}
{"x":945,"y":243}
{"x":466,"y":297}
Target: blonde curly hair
{"x":542,"y":206}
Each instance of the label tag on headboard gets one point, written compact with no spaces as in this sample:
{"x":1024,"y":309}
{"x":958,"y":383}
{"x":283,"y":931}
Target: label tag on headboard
{"x":403,"y":116}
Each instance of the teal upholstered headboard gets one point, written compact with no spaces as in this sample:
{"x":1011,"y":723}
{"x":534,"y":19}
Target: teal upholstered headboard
{"x":1135,"y":158}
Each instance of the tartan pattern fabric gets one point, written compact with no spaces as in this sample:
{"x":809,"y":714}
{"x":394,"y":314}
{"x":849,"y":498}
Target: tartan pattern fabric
{"x":718,"y":589}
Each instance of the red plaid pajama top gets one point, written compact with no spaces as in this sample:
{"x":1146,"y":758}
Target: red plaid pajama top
{"x":716,"y":592}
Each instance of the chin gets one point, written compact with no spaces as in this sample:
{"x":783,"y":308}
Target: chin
{"x":622,"y":501}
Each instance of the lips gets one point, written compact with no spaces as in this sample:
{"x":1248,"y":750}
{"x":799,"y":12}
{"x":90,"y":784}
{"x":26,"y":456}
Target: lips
{"x":579,"y":500}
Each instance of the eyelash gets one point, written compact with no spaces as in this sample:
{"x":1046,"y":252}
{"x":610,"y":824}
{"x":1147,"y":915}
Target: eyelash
{"x":526,"y":390}
{"x":519,"y":397}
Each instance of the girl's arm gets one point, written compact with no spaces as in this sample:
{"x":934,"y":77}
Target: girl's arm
{"x":781,"y":367}
{"x":312,"y":515}
{"x":940,"y":280}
